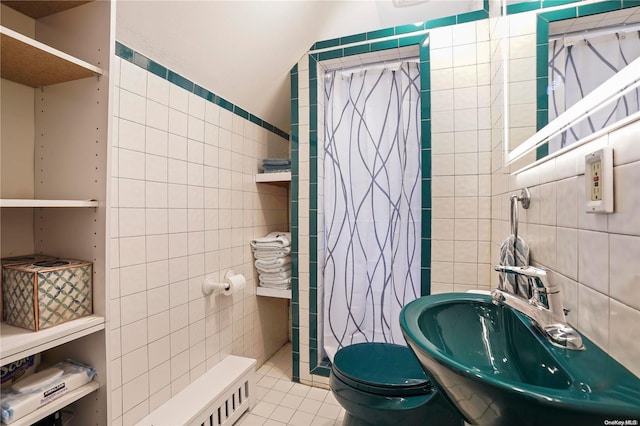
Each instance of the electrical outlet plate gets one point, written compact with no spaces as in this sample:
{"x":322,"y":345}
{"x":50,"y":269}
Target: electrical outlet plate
{"x":598,"y":171}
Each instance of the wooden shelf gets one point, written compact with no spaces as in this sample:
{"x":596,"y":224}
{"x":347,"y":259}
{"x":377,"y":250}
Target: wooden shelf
{"x":273,"y":292}
{"x":37,"y":9}
{"x":18,"y":343}
{"x":276,"y":178}
{"x":29,"y":62}
{"x":57,"y":404}
{"x":24,"y":202}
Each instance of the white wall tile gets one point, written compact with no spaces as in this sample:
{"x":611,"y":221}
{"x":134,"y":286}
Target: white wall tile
{"x":131,"y":164}
{"x":158,"y":89}
{"x":567,"y":252}
{"x":593,"y":263}
{"x":157,"y":116}
{"x":567,"y":202}
{"x":464,"y":55}
{"x":135,"y":392}
{"x":624,"y":340}
{"x":133,"y":279}
{"x":132,"y":251}
{"x":156,"y":168}
{"x":133,"y":308}
{"x":131,"y":222}
{"x":548,"y":212}
{"x":158,"y":334}
{"x":133,"y":78}
{"x":178,"y":98}
{"x":624,"y":272}
{"x":624,"y":219}
{"x":134,"y":364}
{"x":132,"y":107}
{"x":196,"y":106}
{"x":157,"y":142}
{"x":131,"y":135}
{"x":593,"y":316}
{"x":178,"y":122}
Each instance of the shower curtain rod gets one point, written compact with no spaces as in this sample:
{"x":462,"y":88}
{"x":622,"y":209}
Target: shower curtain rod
{"x":612,"y":29}
{"x":380,"y":64}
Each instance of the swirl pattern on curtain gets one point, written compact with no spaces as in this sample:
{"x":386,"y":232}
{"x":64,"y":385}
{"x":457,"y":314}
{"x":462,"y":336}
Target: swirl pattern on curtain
{"x":372,"y":203}
{"x":579,"y":65}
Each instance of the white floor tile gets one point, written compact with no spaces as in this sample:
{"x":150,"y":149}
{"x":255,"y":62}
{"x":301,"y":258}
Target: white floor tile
{"x":282,"y":414}
{"x":300,"y":418}
{"x":283,"y":402}
{"x":250,"y":419}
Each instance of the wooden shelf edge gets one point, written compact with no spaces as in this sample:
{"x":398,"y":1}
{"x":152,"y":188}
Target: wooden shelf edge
{"x":273,"y":177}
{"x":57,"y":404}
{"x":25,"y":202}
{"x":17,"y":343}
{"x":40,"y":9}
{"x":35,"y":64}
{"x":273,"y":292}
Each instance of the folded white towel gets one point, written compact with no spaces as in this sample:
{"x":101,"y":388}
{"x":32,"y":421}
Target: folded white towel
{"x":273,"y":263}
{"x":271,"y":254}
{"x":269,"y":277}
{"x":514,"y":254}
{"x":273,"y":240}
{"x":275,"y":270}
{"x":283,"y":284}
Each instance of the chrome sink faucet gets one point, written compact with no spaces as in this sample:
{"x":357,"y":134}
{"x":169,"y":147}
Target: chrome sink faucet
{"x":544,"y":307}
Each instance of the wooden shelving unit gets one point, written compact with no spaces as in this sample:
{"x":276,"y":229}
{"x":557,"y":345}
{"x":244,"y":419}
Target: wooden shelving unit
{"x":55,"y":62}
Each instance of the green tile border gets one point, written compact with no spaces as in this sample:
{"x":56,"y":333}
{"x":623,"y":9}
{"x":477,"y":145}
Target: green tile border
{"x":319,"y":366}
{"x":542,"y":47}
{"x":295,"y":250}
{"x":173,"y":77}
{"x":402,"y":30}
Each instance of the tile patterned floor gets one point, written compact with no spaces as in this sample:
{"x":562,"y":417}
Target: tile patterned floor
{"x":283,"y":402}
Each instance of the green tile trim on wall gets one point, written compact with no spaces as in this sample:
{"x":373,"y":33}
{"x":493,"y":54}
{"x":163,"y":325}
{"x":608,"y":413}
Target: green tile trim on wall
{"x":295,"y":250}
{"x":149,"y":65}
{"x":403,"y":30}
{"x":542,"y":48}
{"x":319,"y":366}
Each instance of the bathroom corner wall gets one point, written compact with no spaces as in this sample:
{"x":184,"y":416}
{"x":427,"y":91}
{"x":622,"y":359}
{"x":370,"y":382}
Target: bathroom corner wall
{"x":593,"y":257}
{"x":461,"y":157}
{"x":184,"y":206}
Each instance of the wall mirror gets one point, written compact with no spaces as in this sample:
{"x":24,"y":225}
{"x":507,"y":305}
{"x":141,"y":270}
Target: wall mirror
{"x":586,"y":75}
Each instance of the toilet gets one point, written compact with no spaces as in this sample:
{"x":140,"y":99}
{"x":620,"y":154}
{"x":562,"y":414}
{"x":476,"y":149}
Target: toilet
{"x":384,"y":384}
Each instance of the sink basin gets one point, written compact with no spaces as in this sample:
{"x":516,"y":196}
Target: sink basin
{"x":498,"y":369}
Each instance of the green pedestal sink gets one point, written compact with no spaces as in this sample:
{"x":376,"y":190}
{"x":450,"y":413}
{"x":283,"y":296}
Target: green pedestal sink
{"x":498,"y":369}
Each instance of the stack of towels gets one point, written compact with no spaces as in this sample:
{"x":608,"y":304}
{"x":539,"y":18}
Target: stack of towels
{"x":273,"y":259}
{"x":276,"y":165}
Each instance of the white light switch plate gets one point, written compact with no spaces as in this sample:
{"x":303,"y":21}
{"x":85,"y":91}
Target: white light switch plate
{"x":598,"y":171}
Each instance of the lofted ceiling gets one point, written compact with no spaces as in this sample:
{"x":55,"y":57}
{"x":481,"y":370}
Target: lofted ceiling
{"x":244,"y":50}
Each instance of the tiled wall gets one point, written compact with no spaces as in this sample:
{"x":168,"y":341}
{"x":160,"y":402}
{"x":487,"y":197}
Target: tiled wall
{"x":184,"y":205}
{"x":594,"y":257}
{"x":461,"y":157}
{"x":590,"y":256}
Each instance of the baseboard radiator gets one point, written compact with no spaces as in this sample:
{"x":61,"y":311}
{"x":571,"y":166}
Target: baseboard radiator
{"x":217,"y":398}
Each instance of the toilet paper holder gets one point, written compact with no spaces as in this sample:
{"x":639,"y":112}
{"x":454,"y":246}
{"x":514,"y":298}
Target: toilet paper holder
{"x":232,"y":282}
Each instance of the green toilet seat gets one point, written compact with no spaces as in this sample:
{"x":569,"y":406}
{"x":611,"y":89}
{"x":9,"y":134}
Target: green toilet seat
{"x":381,"y":368}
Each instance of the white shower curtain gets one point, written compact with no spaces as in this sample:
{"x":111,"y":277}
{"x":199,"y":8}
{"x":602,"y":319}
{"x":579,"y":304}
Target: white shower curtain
{"x":578,"y":65}
{"x":372,"y":202}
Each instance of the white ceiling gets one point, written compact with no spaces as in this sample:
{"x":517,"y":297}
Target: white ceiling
{"x":244,"y":50}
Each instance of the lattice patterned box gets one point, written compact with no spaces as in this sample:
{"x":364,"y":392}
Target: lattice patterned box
{"x":43,"y":294}
{"x":18,"y":260}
